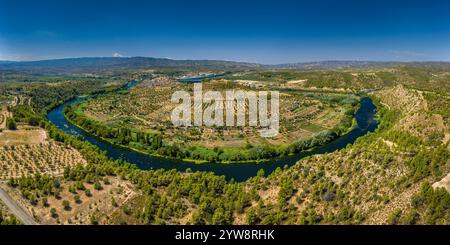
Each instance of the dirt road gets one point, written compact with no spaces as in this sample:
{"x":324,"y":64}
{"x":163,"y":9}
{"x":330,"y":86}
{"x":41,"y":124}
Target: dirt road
{"x":16,"y":209}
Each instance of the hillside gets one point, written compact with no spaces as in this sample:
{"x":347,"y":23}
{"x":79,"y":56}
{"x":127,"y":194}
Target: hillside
{"x":384,"y":178}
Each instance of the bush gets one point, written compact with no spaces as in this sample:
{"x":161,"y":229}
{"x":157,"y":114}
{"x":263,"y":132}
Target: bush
{"x":66,"y":205}
{"x":11,"y":124}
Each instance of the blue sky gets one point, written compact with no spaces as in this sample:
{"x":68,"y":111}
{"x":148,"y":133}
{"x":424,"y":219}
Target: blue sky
{"x":254,"y":31}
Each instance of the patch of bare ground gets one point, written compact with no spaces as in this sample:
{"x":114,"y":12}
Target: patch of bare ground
{"x":445,"y":182}
{"x":270,"y":195}
{"x":4,"y":113}
{"x":389,"y":143}
{"x":24,"y":135}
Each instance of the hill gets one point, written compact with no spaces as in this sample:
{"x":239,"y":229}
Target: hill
{"x":92,"y":64}
{"x":120,"y":63}
{"x":343,"y":64}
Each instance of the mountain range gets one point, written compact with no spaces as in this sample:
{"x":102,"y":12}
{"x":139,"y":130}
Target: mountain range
{"x":91,"y":64}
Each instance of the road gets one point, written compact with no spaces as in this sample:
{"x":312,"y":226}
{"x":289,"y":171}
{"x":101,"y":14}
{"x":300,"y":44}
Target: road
{"x":16,"y":209}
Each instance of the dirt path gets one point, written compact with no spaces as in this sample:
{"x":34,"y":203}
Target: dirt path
{"x":20,"y":214}
{"x":445,"y":182}
{"x":3,"y":115}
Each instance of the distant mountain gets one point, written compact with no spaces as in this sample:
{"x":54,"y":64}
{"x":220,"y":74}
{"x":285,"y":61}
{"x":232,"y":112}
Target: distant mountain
{"x":107,"y":63}
{"x":6,"y":62}
{"x":336,"y":64}
{"x":93,"y":64}
{"x":332,"y":64}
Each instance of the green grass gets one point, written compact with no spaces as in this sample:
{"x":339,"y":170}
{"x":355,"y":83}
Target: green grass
{"x":313,"y":128}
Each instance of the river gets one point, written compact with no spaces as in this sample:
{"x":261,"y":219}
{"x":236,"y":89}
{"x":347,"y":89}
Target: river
{"x":238,"y":171}
{"x":199,"y":78}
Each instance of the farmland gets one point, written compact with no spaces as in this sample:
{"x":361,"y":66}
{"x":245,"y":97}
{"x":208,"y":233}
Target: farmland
{"x":147,"y":108}
{"x":27,"y":150}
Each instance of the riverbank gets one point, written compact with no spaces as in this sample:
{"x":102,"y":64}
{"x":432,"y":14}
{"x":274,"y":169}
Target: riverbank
{"x":306,"y":125}
{"x":238,"y":171}
{"x":146,"y":141}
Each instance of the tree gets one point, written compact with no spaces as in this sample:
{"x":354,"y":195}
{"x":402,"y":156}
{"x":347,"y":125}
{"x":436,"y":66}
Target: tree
{"x":88,"y":192}
{"x":98,"y":186}
{"x":66,"y":205}
{"x":94,"y":220}
{"x":220,"y":217}
{"x":11,"y":124}
{"x":410,"y":218}
{"x":44,"y":202}
{"x":252,"y":218}
{"x":260,"y":173}
{"x":394,"y":217}
{"x":54,"y":213}
{"x":77,"y":199}
{"x":113,"y":202}
{"x":197,"y":218}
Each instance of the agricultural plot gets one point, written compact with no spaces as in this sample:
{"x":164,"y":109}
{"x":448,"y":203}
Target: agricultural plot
{"x":28,"y":152}
{"x":46,"y":158}
{"x":148,"y":108}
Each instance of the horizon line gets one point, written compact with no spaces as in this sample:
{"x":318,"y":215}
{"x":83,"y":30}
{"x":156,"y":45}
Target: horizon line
{"x":268,"y":64}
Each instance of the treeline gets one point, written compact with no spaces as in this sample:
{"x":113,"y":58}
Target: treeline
{"x":429,"y":206}
{"x":154,"y":144}
{"x":45,"y":97}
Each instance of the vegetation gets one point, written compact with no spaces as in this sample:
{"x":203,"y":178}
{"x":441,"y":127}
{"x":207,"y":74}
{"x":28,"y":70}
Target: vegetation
{"x":308,"y":120}
{"x":8,"y":220}
{"x":428,"y":78}
{"x":11,"y":124}
{"x":384,"y":177}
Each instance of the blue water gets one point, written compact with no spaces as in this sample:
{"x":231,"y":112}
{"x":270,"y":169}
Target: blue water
{"x":199,"y":79}
{"x":238,"y":171}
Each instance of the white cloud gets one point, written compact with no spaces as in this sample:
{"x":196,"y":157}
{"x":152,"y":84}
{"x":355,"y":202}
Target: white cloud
{"x":116,"y":55}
